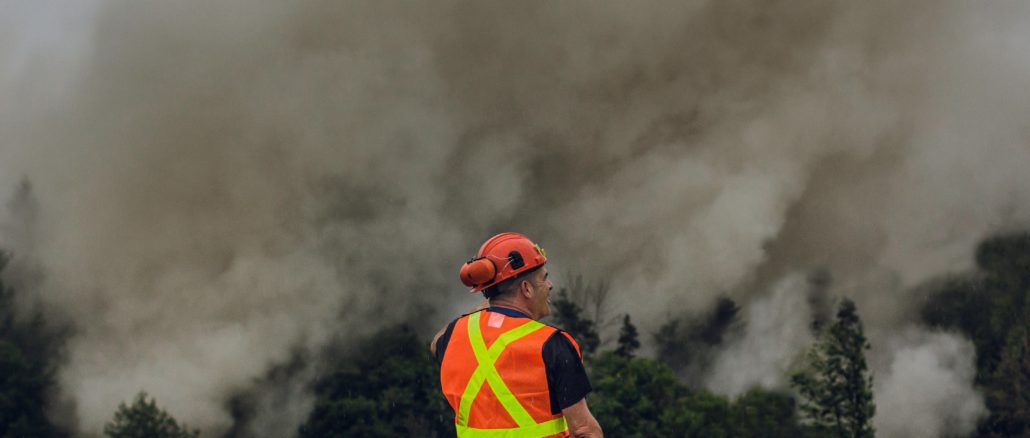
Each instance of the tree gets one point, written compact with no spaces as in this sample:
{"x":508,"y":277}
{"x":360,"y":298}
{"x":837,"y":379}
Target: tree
{"x":637,"y":397}
{"x":990,"y":307}
{"x":628,"y":342}
{"x":761,"y":413}
{"x":22,"y":391}
{"x":592,"y":297}
{"x":144,"y":419}
{"x":1008,"y":394}
{"x":568,"y":316}
{"x":391,"y":387}
{"x":836,"y":386}
{"x":26,"y":370}
{"x":688,"y":345}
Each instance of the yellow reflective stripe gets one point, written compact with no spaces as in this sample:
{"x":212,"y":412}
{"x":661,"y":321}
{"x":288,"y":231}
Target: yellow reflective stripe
{"x":478,"y":376}
{"x":486,"y":372}
{"x":504,"y":395}
{"x":546,"y":428}
{"x":475,"y":384}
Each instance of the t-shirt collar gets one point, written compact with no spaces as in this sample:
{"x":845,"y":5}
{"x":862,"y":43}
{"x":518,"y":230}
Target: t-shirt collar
{"x":507,"y":311}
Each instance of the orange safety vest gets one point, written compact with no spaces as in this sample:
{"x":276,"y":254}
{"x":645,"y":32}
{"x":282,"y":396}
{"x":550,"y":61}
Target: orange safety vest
{"x":494,"y":378}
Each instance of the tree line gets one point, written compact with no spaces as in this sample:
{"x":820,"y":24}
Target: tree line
{"x":389,"y":386}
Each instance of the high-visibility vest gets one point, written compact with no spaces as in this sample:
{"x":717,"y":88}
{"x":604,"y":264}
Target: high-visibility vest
{"x":493,"y":376}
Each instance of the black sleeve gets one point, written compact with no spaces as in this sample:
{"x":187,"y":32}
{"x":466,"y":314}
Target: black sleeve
{"x":566,"y":378}
{"x":441,"y":343}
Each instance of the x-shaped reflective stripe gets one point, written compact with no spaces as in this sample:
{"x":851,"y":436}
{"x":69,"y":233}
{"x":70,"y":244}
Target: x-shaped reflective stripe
{"x":486,"y":372}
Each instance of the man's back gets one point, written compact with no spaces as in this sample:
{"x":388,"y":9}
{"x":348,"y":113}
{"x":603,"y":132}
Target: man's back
{"x":494,"y":375}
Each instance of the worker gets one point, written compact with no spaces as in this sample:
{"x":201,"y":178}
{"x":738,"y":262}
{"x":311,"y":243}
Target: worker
{"x":503,"y":372}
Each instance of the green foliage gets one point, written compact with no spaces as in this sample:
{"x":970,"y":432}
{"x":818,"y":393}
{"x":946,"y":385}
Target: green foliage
{"x":638,"y":397}
{"x":22,"y":390}
{"x":635,"y":397}
{"x":685,"y":343}
{"x":1005,"y":254}
{"x":765,"y":414}
{"x":26,"y":374}
{"x":835,"y":386}
{"x":990,"y":307}
{"x":144,"y":419}
{"x":628,"y":342}
{"x":391,"y":387}
{"x":569,"y":316}
{"x":670,"y":341}
{"x":1008,"y":394}
{"x":977,"y":308}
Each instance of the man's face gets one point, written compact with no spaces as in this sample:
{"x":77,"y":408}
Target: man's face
{"x":542,"y":286}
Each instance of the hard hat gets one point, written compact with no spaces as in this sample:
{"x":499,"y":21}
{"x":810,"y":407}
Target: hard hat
{"x":500,"y":258}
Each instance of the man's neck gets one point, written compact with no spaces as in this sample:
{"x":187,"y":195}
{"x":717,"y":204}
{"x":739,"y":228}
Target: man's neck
{"x":514,"y":306}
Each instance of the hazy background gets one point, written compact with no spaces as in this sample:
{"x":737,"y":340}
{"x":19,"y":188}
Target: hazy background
{"x":222,"y":188}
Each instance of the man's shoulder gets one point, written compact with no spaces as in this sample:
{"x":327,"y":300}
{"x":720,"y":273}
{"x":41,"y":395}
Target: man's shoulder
{"x":440,"y":347}
{"x":561,"y":341}
{"x":563,"y":334}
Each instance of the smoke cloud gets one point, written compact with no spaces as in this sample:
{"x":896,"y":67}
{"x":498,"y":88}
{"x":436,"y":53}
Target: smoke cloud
{"x":926,"y":391}
{"x":765,"y":355}
{"x":221,"y":185}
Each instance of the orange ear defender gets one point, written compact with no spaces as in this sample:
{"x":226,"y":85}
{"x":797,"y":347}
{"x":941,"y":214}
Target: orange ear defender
{"x":478,"y":271}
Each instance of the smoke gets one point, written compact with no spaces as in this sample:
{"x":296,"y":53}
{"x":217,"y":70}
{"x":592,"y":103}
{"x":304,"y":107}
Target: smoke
{"x":222,"y":185}
{"x":768,"y":350}
{"x":926,"y":391}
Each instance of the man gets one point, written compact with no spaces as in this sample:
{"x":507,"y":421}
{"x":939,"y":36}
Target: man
{"x":503,"y":372}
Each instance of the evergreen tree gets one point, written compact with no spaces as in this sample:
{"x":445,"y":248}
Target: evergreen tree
{"x":144,"y":419}
{"x":26,"y":371}
{"x":569,"y":316}
{"x":628,"y":342}
{"x":390,"y":388}
{"x":1008,"y":394}
{"x":985,"y":305}
{"x":639,"y":397}
{"x":669,"y":342}
{"x":22,"y":390}
{"x":990,"y":307}
{"x":688,"y":345}
{"x":836,"y":387}
{"x":761,"y":413}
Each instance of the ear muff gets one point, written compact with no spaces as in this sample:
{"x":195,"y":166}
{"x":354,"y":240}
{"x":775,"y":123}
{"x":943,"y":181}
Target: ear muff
{"x":478,"y":271}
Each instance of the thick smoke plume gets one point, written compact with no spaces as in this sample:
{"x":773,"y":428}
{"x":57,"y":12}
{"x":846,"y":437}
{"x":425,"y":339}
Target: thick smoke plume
{"x":931,"y":371}
{"x":769,"y":347}
{"x":221,"y":185}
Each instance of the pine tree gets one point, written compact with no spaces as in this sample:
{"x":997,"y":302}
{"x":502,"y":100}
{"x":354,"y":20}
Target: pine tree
{"x":145,"y":420}
{"x":27,"y":369}
{"x":390,"y":387}
{"x":836,"y":387}
{"x":628,"y":342}
{"x":688,"y":343}
{"x":1008,"y":394}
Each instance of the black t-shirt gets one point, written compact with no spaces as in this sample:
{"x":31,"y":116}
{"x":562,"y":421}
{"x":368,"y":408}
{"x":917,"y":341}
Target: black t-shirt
{"x":566,"y":379}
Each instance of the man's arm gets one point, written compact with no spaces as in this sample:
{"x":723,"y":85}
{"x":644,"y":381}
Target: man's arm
{"x":581,"y":422}
{"x":569,"y":385}
{"x":432,"y":345}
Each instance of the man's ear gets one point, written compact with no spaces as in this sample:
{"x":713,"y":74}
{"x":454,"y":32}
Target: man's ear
{"x":524,"y":289}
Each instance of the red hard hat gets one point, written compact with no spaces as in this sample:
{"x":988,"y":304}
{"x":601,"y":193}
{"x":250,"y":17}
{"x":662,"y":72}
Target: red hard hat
{"x":500,"y":258}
